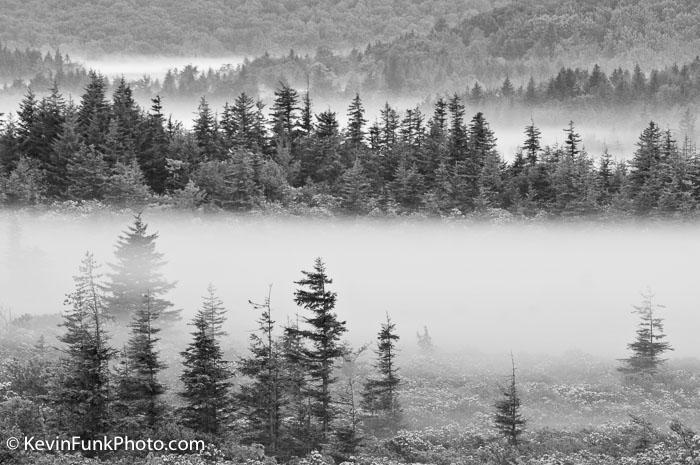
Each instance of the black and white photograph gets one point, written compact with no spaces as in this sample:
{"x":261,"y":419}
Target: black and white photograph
{"x":349,"y":232}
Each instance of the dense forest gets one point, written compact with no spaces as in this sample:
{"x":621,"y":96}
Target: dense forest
{"x":217,"y":26}
{"x":371,"y":73}
{"x":476,"y":39}
{"x":293,"y":159}
{"x":117,"y":362}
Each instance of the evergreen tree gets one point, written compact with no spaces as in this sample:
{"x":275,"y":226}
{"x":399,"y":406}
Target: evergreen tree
{"x":153,"y":157}
{"x":136,"y":272}
{"x":205,"y":132}
{"x":206,"y":375}
{"x":285,"y":123}
{"x":306,"y":123}
{"x":508,"y":419}
{"x":323,"y":334}
{"x":94,"y":111}
{"x":354,"y":189}
{"x":649,"y":345}
{"x":261,"y":399}
{"x":532,"y":143}
{"x":507,"y":89}
{"x":84,"y":392}
{"x":355,"y":134}
{"x":139,"y":389}
{"x":458,"y":132}
{"x":572,"y":141}
{"x":87,"y":173}
{"x":64,"y":149}
{"x":380,"y":394}
{"x":644,"y":188}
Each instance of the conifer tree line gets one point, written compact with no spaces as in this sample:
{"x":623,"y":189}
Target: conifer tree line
{"x":285,"y":393}
{"x":248,"y":158}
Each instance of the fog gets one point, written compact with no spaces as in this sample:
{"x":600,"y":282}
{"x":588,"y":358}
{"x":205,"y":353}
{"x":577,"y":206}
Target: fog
{"x":136,"y":67}
{"x":529,"y":288}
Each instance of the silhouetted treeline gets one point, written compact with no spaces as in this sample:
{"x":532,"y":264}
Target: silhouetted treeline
{"x":17,"y":64}
{"x":289,"y":157}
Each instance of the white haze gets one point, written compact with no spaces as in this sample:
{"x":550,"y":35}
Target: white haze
{"x":136,"y":67}
{"x":491,"y":289}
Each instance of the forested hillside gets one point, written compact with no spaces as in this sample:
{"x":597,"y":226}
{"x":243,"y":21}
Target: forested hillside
{"x":217,"y":26}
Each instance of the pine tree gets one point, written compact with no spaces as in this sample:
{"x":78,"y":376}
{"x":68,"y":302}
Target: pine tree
{"x":285,"y":123}
{"x":649,"y":344}
{"x":205,"y":131}
{"x":572,"y":141}
{"x":355,"y":134}
{"x":507,"y":89}
{"x":306,"y":122}
{"x":139,"y":390}
{"x":136,"y":272}
{"x":261,"y":399}
{"x":94,"y":111}
{"x":323,"y":334}
{"x":458,"y":132}
{"x":83,"y":392}
{"x":206,"y":375}
{"x":644,"y":188}
{"x":153,"y":157}
{"x":508,"y":419}
{"x":64,"y":148}
{"x":532,"y":144}
{"x":297,"y":437}
{"x":354,"y":189}
{"x":87,"y":174}
{"x":380,"y":394}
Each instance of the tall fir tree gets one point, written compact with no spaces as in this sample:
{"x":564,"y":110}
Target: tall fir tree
{"x":139,"y":390}
{"x":261,"y":399}
{"x":649,"y":345}
{"x":136,"y":272}
{"x":323,"y":334}
{"x":380,"y":394}
{"x":206,"y":375}
{"x":508,"y":419}
{"x":83,"y":392}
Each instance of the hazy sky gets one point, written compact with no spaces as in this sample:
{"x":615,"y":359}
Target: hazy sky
{"x":495,"y":288}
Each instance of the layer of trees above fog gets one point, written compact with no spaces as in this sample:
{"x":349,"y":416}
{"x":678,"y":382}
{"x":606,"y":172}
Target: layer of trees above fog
{"x":487,"y":30}
{"x":214,"y":27}
{"x":297,"y":388}
{"x":377,"y":71}
{"x":292,"y":159}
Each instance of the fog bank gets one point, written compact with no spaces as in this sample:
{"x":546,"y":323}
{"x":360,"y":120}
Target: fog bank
{"x":482,"y":288}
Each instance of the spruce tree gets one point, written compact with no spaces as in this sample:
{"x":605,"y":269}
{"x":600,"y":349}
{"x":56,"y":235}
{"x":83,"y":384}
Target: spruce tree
{"x":205,"y":131}
{"x":94,"y":111}
{"x":206,"y":375}
{"x":649,"y":345}
{"x":83,"y":393}
{"x":153,"y":157}
{"x":355,"y":134}
{"x":532,"y":144}
{"x":139,"y":390}
{"x":508,"y":419}
{"x":137,"y":271}
{"x":572,"y":141}
{"x":380,"y":394}
{"x":261,"y":399}
{"x":323,"y":334}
